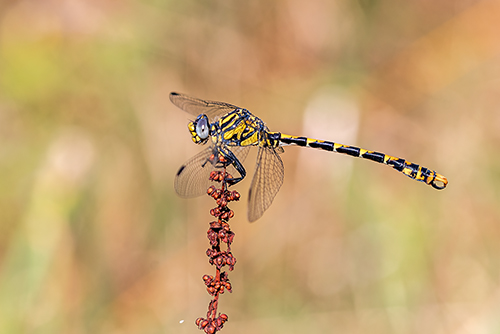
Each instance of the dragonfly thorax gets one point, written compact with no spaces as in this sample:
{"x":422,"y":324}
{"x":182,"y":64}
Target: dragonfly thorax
{"x":200,"y":129}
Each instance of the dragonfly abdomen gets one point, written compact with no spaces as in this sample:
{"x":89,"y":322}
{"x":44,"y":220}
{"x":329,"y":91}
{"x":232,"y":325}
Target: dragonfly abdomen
{"x":410,"y":169}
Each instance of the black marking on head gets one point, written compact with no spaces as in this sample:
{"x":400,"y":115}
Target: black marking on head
{"x":180,"y":170}
{"x":327,"y":146}
{"x":374,"y":156}
{"x":398,"y":164}
{"x":350,"y":150}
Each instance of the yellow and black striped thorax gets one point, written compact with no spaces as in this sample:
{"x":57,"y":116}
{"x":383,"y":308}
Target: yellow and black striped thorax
{"x":239,"y":128}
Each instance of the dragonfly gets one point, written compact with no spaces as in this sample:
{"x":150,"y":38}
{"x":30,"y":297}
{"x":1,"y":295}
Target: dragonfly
{"x":231,"y":131}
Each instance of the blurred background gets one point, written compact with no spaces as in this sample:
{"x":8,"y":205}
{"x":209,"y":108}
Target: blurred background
{"x":93,"y":238}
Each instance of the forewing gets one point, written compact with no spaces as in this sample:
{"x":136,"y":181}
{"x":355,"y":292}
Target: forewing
{"x":192,"y":179}
{"x":195,"y":106}
{"x":240,"y":152}
{"x":266,"y":183}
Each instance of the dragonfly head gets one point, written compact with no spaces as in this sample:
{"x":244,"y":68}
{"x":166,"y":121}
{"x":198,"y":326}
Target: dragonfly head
{"x":200,"y":129}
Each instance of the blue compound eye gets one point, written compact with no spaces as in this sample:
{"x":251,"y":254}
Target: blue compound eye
{"x":202,"y":127}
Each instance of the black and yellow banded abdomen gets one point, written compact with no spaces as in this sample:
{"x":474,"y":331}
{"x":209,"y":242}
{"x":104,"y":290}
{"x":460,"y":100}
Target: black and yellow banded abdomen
{"x":410,"y":169}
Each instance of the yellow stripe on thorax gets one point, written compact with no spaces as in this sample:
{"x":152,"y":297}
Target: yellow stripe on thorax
{"x":237,"y":130}
{"x":252,"y":140}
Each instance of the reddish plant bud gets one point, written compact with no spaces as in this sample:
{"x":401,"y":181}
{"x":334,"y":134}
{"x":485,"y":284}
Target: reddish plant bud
{"x":203,"y":323}
{"x":210,"y":329}
{"x":223,"y":316}
{"x":215,"y":224}
{"x":231,"y":214}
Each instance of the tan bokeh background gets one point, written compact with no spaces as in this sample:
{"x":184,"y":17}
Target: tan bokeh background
{"x":93,"y":238}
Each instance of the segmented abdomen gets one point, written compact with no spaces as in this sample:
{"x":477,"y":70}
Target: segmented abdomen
{"x":410,"y":169}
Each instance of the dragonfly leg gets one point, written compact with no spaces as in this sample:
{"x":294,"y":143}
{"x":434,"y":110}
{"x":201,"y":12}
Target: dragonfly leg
{"x":231,"y":159}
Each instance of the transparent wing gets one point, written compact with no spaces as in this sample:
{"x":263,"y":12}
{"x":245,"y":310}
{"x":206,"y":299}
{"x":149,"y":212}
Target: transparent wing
{"x":240,"y":152}
{"x":266,"y":183}
{"x":195,"y":106}
{"x":192,"y":179}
